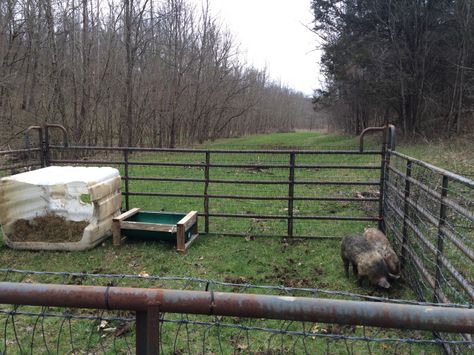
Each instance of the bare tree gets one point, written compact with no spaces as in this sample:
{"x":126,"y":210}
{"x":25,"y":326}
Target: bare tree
{"x":136,"y":72}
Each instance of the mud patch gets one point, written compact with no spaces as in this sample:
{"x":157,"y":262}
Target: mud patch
{"x":240,"y":280}
{"x":288,"y":277}
{"x":50,"y":228}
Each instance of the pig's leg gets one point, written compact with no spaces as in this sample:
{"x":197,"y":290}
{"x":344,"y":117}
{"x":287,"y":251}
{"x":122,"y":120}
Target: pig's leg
{"x":346,"y":266}
{"x":354,"y":268}
{"x":359,"y":280}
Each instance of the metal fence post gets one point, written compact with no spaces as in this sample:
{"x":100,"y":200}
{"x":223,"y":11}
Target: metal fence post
{"x":147,"y":337}
{"x":45,"y":147}
{"x":42,"y":146}
{"x":125,"y":160}
{"x":206,"y":191}
{"x":383,"y":163}
{"x":440,"y":244}
{"x":42,"y":150}
{"x":291,"y":191}
{"x":405,"y":214}
{"x":40,"y":142}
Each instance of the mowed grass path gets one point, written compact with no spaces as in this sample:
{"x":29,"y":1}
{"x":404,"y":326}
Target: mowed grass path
{"x":266,"y":261}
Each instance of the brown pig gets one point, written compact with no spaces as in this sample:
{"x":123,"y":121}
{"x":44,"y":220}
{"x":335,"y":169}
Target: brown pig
{"x":382,"y":245}
{"x":365,"y":259}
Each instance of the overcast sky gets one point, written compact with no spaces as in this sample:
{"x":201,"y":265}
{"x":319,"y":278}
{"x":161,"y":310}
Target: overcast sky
{"x":272,"y":34}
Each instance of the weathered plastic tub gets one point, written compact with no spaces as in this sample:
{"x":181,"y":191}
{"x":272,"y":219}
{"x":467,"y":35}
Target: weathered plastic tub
{"x":72,"y":207}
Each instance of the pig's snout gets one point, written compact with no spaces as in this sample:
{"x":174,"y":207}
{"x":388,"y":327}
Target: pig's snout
{"x":383,"y":283}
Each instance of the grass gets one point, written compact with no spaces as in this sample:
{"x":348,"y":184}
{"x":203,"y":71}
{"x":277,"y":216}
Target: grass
{"x":220,"y":257}
{"x":456,"y":154}
{"x":268,"y":261}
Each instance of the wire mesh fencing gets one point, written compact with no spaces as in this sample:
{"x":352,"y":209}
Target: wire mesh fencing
{"x":267,"y":191}
{"x":249,"y":193}
{"x":18,"y":161}
{"x":51,"y":331}
{"x":30,"y":329}
{"x":429,"y":214}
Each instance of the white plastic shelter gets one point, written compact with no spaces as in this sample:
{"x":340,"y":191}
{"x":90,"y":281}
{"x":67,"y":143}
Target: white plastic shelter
{"x":78,"y":194}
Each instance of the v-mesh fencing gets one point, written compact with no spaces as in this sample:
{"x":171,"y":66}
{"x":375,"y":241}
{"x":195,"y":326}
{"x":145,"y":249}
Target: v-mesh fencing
{"x":427,"y":212}
{"x":176,"y":330}
{"x":241,"y":193}
{"x":265,"y":192}
{"x":430,"y":214}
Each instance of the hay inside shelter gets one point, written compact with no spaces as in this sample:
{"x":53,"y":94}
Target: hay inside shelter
{"x":50,"y":228}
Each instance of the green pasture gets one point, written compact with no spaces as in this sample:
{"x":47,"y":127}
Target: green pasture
{"x":250,"y":259}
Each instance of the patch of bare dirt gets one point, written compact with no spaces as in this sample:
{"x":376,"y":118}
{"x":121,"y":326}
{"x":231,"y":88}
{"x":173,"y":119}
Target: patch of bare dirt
{"x":288,"y":277}
{"x":236,"y":280}
{"x":50,"y":228}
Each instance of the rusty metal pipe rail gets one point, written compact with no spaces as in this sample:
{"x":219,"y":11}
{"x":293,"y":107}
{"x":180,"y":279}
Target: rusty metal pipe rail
{"x":234,"y":166}
{"x":338,"y":183}
{"x":319,"y":218}
{"x":85,"y":162}
{"x":414,"y":258}
{"x":449,"y":174}
{"x":14,"y":167}
{"x":48,"y":126}
{"x":213,"y":181}
{"x":262,"y":198}
{"x":444,"y":261}
{"x":253,"y":182}
{"x":368,"y":130}
{"x":27,"y":150}
{"x":435,"y":195}
{"x":434,"y":221}
{"x":282,"y":236}
{"x":384,"y":315}
{"x":219,"y":151}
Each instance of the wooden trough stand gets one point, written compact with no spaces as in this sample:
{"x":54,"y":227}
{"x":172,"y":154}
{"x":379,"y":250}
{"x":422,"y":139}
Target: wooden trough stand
{"x":157,"y":225}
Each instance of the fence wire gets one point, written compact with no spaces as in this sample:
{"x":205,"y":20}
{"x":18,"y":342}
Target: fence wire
{"x":429,"y":216}
{"x":234,"y":284}
{"x":433,"y":226}
{"x":332,"y":184}
{"x":436,"y":250}
{"x":51,"y":330}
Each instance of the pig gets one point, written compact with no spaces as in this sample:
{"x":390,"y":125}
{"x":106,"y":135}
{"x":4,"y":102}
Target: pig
{"x":382,"y":245}
{"x":365,"y":259}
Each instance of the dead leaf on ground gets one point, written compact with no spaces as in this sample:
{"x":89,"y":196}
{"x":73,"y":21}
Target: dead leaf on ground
{"x":102,"y":325}
{"x":122,"y":329}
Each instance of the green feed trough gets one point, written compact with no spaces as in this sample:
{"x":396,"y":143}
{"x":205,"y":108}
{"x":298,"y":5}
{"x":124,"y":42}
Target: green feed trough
{"x":180,"y":228}
{"x":153,"y":218}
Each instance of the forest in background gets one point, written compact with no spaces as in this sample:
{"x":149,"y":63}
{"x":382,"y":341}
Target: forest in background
{"x":134,"y":72}
{"x":408,"y":62}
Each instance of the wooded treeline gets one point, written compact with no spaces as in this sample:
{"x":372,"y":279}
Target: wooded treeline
{"x":407,"y":62}
{"x":133,"y":72}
